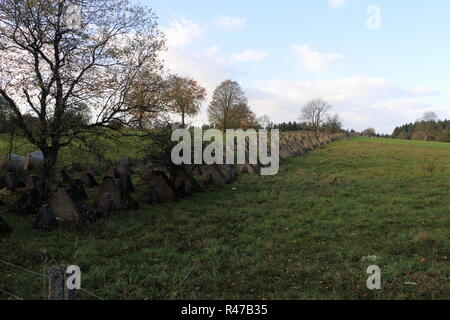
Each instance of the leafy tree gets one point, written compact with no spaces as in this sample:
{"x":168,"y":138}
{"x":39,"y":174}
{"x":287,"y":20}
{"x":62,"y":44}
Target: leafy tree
{"x":148,"y":101}
{"x":227,"y":96}
{"x":241,"y":117}
{"x":185,"y":97}
{"x":51,"y":67}
{"x":445,"y":135}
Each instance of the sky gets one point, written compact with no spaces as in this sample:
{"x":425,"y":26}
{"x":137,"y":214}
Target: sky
{"x":379,"y":63}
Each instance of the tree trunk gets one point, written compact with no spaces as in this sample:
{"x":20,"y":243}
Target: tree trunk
{"x":11,"y":141}
{"x":182,"y":120}
{"x":50,"y":158}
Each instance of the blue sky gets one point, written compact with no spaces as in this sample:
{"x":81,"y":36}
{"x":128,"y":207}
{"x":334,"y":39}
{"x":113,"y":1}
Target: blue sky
{"x":286,"y":52}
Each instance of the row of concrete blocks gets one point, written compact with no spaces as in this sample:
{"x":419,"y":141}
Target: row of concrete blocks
{"x":68,"y":202}
{"x":296,"y":144}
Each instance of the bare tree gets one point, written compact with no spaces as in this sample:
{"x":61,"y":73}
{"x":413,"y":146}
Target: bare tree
{"x":227,"y":98}
{"x":315,"y":113}
{"x":428,"y":123}
{"x":55,"y":61}
{"x":333,"y":124}
{"x":430,"y":116}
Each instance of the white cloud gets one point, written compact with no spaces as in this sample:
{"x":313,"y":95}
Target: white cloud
{"x":360,"y":101}
{"x":182,"y":32}
{"x":249,"y":55}
{"x":230,"y":23}
{"x":207,"y":68}
{"x":314,"y":60}
{"x":337,"y":3}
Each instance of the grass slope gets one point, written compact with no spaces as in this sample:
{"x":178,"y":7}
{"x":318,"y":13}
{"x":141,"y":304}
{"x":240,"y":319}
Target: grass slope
{"x":298,"y":235}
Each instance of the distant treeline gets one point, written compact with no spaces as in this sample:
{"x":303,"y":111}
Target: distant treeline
{"x":424,"y":130}
{"x":303,"y":126}
{"x":291,"y":126}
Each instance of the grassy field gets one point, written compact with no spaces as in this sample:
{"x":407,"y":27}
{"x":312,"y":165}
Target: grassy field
{"x":298,"y":235}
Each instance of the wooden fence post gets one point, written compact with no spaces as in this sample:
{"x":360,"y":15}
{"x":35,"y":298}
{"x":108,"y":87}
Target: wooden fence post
{"x":57,"y":284}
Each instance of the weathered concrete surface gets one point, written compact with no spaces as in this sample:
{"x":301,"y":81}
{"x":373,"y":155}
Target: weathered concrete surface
{"x":64,"y":207}
{"x":160,"y":184}
{"x":45,"y":220}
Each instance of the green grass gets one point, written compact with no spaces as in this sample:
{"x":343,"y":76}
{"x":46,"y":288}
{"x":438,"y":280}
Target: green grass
{"x":416,"y":143}
{"x":298,"y":235}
